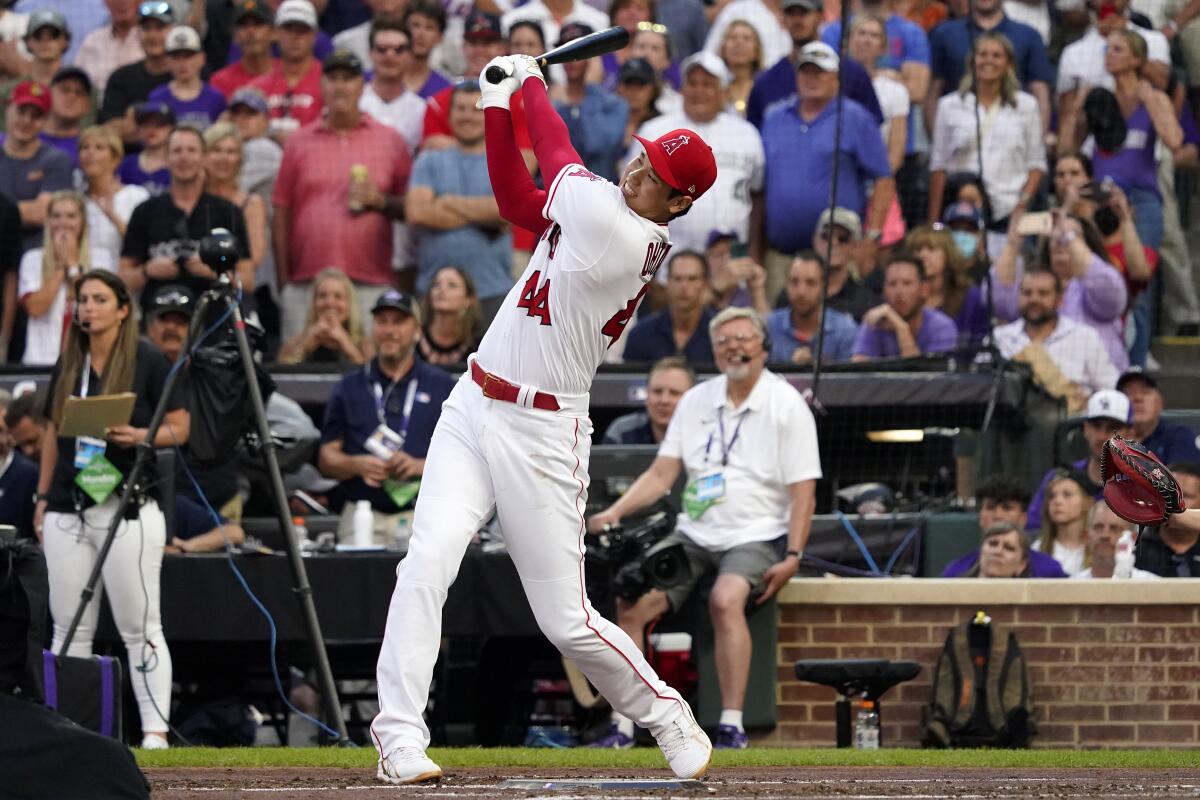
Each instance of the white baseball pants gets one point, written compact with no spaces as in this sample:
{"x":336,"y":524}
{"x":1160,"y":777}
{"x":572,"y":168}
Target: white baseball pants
{"x":135,"y":558}
{"x":532,"y":467}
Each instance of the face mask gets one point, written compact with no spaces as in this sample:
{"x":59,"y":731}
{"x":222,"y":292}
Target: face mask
{"x":965,"y":242}
{"x":1106,"y":220}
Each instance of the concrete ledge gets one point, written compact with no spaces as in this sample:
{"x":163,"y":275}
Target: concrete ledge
{"x":968,"y":591}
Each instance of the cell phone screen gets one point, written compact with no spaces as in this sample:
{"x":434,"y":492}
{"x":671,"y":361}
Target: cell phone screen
{"x":739,"y":250}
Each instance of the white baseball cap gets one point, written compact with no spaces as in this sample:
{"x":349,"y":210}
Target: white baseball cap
{"x":710,"y":63}
{"x":183,"y":39}
{"x":300,"y":11}
{"x":1110,"y":404}
{"x":819,"y":54}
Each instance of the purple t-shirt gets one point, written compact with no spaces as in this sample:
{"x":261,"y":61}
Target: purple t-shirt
{"x":1133,"y":166}
{"x":68,"y":144}
{"x":201,"y":111}
{"x":938,"y":334}
{"x":130,"y":172}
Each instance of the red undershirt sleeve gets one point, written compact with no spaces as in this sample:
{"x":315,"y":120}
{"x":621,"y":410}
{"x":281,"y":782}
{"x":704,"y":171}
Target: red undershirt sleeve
{"x":551,"y":142}
{"x":517,"y":196}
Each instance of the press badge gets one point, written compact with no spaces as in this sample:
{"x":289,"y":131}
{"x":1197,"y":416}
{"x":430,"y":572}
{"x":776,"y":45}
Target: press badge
{"x":384,"y":443}
{"x":703,"y":493}
{"x":86,"y":450}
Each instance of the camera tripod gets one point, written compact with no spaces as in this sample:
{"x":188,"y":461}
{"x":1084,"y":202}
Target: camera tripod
{"x":221,"y":296}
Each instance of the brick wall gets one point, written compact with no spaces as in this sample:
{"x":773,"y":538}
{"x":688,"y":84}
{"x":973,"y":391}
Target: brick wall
{"x":1105,"y":672}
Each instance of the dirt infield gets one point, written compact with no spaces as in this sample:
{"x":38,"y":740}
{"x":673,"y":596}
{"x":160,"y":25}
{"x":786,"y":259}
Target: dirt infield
{"x":758,"y":783}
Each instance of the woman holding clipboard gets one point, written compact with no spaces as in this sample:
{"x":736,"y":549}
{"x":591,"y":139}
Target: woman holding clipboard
{"x":81,"y":481}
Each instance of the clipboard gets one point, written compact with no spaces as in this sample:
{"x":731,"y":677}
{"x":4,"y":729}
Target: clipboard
{"x":90,"y":416}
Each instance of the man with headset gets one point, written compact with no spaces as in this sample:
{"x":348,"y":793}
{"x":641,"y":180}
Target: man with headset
{"x":748,"y":443}
{"x":380,"y":418}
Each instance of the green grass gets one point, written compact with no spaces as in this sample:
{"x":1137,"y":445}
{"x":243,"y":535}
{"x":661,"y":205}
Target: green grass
{"x":650,"y":758}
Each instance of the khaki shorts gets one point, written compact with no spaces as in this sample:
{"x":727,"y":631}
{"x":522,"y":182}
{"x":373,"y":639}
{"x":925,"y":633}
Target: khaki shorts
{"x":750,"y":561}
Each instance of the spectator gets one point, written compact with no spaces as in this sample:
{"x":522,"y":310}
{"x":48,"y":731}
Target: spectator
{"x":224,"y":158}
{"x":13,"y":26}
{"x":130,"y":85}
{"x":1093,"y":291}
{"x":966,"y":225}
{"x":801,"y":19}
{"x":1172,"y":550}
{"x":18,"y":483}
{"x":738,"y":281}
{"x":742,"y":52}
{"x":950,"y":288}
{"x":358,"y":39}
{"x":1170,"y":441}
{"x":425,"y":22}
{"x":950,"y":45}
{"x":525,"y":37}
{"x":768,"y":17}
{"x":552,"y":15}
{"x":1064,"y":522}
{"x":47,"y":38}
{"x":798,"y":140}
{"x":72,"y":525}
{"x":26,"y":424}
{"x":1004,"y":552}
{"x":293,"y":86}
{"x":452,"y":210}
{"x":680,"y":329}
{"x":194,"y":531}
{"x":322,"y":46}
{"x":248,"y":113}
{"x":112,"y":46}
{"x":686,"y":23}
{"x":630,"y":15}
{"x":736,"y":145}
{"x":639,"y":87}
{"x":795,"y":330}
{"x":481,"y":43}
{"x":147,"y":169}
{"x":453,"y":318}
{"x":167,"y":321}
{"x":1149,"y":117}
{"x":70,"y":105}
{"x":1068,"y":357}
{"x":595,"y":117}
{"x":838,"y":235}
{"x":653,"y":45}
{"x":907,"y":50}
{"x":379,"y":420}
{"x":253,"y":22}
{"x":1108,"y":414}
{"x":1110,"y":547}
{"x":738,"y":514}
{"x":10,"y":262}
{"x":30,"y":170}
{"x":163,"y":237}
{"x":668,"y":380}
{"x":386,"y":97}
{"x":904,"y":325}
{"x":1013,"y":152}
{"x":314,"y":224}
{"x":1002,"y":498}
{"x":48,"y":275}
{"x":333,"y":328}
{"x":193,"y":101}
{"x":868,"y":44}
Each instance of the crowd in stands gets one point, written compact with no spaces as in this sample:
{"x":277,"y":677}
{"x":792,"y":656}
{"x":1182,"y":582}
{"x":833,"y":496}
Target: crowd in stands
{"x":1010,"y":175}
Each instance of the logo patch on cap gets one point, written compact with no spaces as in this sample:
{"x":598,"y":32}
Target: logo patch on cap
{"x":671,"y":145}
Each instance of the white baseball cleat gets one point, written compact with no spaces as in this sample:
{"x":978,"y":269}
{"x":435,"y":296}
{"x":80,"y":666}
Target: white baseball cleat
{"x":686,"y":747}
{"x":406,"y":765}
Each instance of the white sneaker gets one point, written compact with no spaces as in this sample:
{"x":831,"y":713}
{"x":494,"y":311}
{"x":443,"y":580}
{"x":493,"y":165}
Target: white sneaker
{"x":408,"y":765}
{"x":686,"y":747}
{"x":152,"y":742}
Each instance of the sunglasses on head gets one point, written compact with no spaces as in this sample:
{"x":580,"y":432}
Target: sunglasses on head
{"x":155,"y":8}
{"x":653,"y":27}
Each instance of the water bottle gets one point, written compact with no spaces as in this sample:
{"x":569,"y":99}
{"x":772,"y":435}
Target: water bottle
{"x":364,"y":524}
{"x":300,"y":528}
{"x":866,"y":727}
{"x":403,"y":531}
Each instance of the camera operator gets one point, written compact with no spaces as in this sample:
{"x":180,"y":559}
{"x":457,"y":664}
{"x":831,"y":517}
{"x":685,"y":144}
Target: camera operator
{"x":749,"y":445}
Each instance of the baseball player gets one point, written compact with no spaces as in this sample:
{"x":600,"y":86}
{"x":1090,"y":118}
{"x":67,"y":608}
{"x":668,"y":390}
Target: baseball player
{"x":514,"y":435}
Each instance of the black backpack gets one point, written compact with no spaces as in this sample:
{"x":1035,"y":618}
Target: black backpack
{"x":980,"y":690}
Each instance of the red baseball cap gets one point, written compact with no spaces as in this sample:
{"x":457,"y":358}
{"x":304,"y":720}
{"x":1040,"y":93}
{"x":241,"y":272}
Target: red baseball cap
{"x":683,"y":160}
{"x":31,"y":93}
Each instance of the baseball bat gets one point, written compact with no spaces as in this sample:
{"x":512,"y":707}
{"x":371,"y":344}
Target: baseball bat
{"x":581,"y":49}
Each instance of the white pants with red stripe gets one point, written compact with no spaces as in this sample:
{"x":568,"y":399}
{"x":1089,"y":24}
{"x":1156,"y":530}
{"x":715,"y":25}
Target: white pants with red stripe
{"x":532,"y":467}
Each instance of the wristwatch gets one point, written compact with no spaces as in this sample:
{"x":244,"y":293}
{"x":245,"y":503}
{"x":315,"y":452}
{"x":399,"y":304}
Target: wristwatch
{"x":1171,"y":25}
{"x":799,"y":554}
{"x":874,"y":234}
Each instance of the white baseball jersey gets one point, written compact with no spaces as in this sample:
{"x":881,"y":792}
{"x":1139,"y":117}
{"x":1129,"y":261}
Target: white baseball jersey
{"x":580,"y":290}
{"x":738,"y":149}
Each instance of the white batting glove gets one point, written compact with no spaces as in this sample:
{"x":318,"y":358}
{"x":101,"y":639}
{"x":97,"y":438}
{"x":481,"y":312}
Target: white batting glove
{"x":496,"y":95}
{"x":527,"y":67}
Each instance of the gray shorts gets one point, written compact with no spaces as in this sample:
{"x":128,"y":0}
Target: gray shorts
{"x":747,"y":560}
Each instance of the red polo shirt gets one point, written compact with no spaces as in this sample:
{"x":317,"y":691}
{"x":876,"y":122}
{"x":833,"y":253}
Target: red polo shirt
{"x":314,"y":183}
{"x":301,"y":102}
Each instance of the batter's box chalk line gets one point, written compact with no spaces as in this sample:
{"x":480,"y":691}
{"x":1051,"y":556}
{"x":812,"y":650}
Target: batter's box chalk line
{"x":599,"y":784}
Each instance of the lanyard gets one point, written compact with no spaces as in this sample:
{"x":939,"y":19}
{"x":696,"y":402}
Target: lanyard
{"x":87,"y":375}
{"x":725,"y":448}
{"x":410,"y":397}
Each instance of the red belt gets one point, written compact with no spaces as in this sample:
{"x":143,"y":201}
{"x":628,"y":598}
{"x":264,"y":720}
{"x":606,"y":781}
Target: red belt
{"x":496,"y":388}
